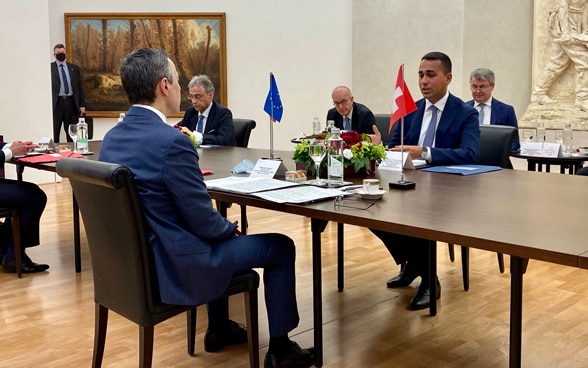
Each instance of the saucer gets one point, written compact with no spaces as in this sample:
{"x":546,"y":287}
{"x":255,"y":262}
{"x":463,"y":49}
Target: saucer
{"x":379,"y":194}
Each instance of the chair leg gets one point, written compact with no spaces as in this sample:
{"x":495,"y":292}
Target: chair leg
{"x":251,"y":312}
{"x":500,"y":262}
{"x":16,"y":244}
{"x":100,"y":324}
{"x":146,"y":346}
{"x":191,"y":330}
{"x":244,"y":224}
{"x":465,"y":267}
{"x":451,"y":251}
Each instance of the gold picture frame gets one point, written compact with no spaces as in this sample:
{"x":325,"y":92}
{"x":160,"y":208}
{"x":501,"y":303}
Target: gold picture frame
{"x":196,"y":43}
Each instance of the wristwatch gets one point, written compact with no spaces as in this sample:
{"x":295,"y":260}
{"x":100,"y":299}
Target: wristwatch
{"x":425,"y":153}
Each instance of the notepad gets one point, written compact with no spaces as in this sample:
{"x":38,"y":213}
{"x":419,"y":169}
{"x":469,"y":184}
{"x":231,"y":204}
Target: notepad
{"x":463,"y":169}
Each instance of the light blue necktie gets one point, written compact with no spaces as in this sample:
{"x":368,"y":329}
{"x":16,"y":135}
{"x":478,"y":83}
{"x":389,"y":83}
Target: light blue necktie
{"x":430,"y":135}
{"x":200,"y":125}
{"x":481,"y":114}
{"x":347,"y":124}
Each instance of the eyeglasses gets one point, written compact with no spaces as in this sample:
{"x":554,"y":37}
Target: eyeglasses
{"x":481,"y":88}
{"x":355,"y":203}
{"x":196,"y":97}
{"x":342,"y":102}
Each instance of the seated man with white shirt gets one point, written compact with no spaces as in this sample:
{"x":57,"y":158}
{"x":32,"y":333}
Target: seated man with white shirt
{"x":210,"y":122}
{"x":491,"y":111}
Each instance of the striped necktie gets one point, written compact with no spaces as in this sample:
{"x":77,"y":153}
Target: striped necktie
{"x":64,"y":77}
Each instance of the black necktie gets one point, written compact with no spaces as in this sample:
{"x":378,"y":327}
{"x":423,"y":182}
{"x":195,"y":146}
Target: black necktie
{"x":64,"y":77}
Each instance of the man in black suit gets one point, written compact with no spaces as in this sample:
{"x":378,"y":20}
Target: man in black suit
{"x":350,"y":115}
{"x":209,"y":122}
{"x":31,"y":200}
{"x":67,"y":92}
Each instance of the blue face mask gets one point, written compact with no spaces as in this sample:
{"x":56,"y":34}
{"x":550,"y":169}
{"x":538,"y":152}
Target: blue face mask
{"x":60,"y":57}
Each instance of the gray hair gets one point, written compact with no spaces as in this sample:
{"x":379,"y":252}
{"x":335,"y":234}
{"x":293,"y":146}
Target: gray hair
{"x":203,"y":81}
{"x":483,"y":74}
{"x":140,"y":72}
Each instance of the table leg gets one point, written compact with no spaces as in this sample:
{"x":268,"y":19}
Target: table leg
{"x":518,"y":266}
{"x":76,"y":223}
{"x":433,"y":276}
{"x":340,"y":257}
{"x":317,"y":227}
{"x":19,"y":171}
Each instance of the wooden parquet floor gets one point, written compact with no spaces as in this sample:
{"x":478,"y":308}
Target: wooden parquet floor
{"x":47,"y":320}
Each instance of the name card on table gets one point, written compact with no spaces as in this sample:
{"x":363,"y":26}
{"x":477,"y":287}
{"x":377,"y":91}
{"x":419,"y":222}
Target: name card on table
{"x":395,"y":161}
{"x":265,"y":168}
{"x":540,"y":149}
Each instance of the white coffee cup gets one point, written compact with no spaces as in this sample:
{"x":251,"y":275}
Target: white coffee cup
{"x":371,"y":186}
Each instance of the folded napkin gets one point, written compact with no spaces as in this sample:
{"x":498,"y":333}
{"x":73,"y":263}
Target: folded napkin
{"x":243,"y":167}
{"x":49,"y":157}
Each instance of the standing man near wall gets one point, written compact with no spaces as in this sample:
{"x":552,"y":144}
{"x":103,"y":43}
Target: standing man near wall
{"x":67,"y":92}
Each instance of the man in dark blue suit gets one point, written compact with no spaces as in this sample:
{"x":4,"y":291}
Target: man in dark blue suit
{"x":67,"y":92}
{"x":348,"y":114}
{"x":209,"y":122}
{"x":491,"y":111}
{"x":443,"y":131}
{"x":31,"y":201}
{"x":196,"y":250}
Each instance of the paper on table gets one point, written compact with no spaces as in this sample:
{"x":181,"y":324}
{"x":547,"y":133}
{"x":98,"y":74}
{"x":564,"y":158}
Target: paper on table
{"x":300,"y":194}
{"x":246,"y":184}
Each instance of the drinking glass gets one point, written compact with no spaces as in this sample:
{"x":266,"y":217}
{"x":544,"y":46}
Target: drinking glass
{"x":540,"y":132}
{"x":559,"y":137}
{"x":528,"y":135}
{"x":317,"y":150}
{"x":72,"y":130}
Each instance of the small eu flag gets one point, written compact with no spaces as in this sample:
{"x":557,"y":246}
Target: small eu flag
{"x":273,"y":103}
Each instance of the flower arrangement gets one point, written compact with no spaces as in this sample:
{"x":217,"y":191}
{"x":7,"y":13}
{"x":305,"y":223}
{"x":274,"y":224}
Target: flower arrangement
{"x":358,"y":151}
{"x":188,"y":133}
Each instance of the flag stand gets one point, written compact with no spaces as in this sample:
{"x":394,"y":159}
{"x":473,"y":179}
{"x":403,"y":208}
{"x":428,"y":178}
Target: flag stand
{"x":271,"y":120}
{"x":402,"y":184}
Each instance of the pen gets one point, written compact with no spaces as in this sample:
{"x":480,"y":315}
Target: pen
{"x":211,"y":131}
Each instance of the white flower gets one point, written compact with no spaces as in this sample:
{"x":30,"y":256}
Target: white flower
{"x":347,"y":153}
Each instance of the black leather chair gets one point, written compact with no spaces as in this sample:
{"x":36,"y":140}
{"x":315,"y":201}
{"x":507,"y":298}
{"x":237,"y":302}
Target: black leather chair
{"x":122,"y":260}
{"x":383,"y":124}
{"x":495,"y":146}
{"x":242,"y":130}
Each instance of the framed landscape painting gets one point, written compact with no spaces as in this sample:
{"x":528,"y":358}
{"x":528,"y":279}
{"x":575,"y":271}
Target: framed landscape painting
{"x":97,"y":42}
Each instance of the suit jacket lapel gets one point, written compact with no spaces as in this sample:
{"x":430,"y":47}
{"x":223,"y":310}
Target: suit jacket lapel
{"x":447,"y":116}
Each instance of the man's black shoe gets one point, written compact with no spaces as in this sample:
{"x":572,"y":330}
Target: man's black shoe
{"x":404,"y":278}
{"x":296,"y":357}
{"x":215,"y":340}
{"x":28,"y":266}
{"x":422,"y":300}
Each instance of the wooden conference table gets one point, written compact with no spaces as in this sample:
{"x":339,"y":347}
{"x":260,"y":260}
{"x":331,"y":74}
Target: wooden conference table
{"x":514,"y":212}
{"x":508,"y":211}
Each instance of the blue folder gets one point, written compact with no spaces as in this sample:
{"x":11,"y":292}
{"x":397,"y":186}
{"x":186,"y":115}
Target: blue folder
{"x":462,"y":169}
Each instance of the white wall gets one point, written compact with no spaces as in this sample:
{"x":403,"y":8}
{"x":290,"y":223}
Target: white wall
{"x":25,"y":96}
{"x":493,"y":34}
